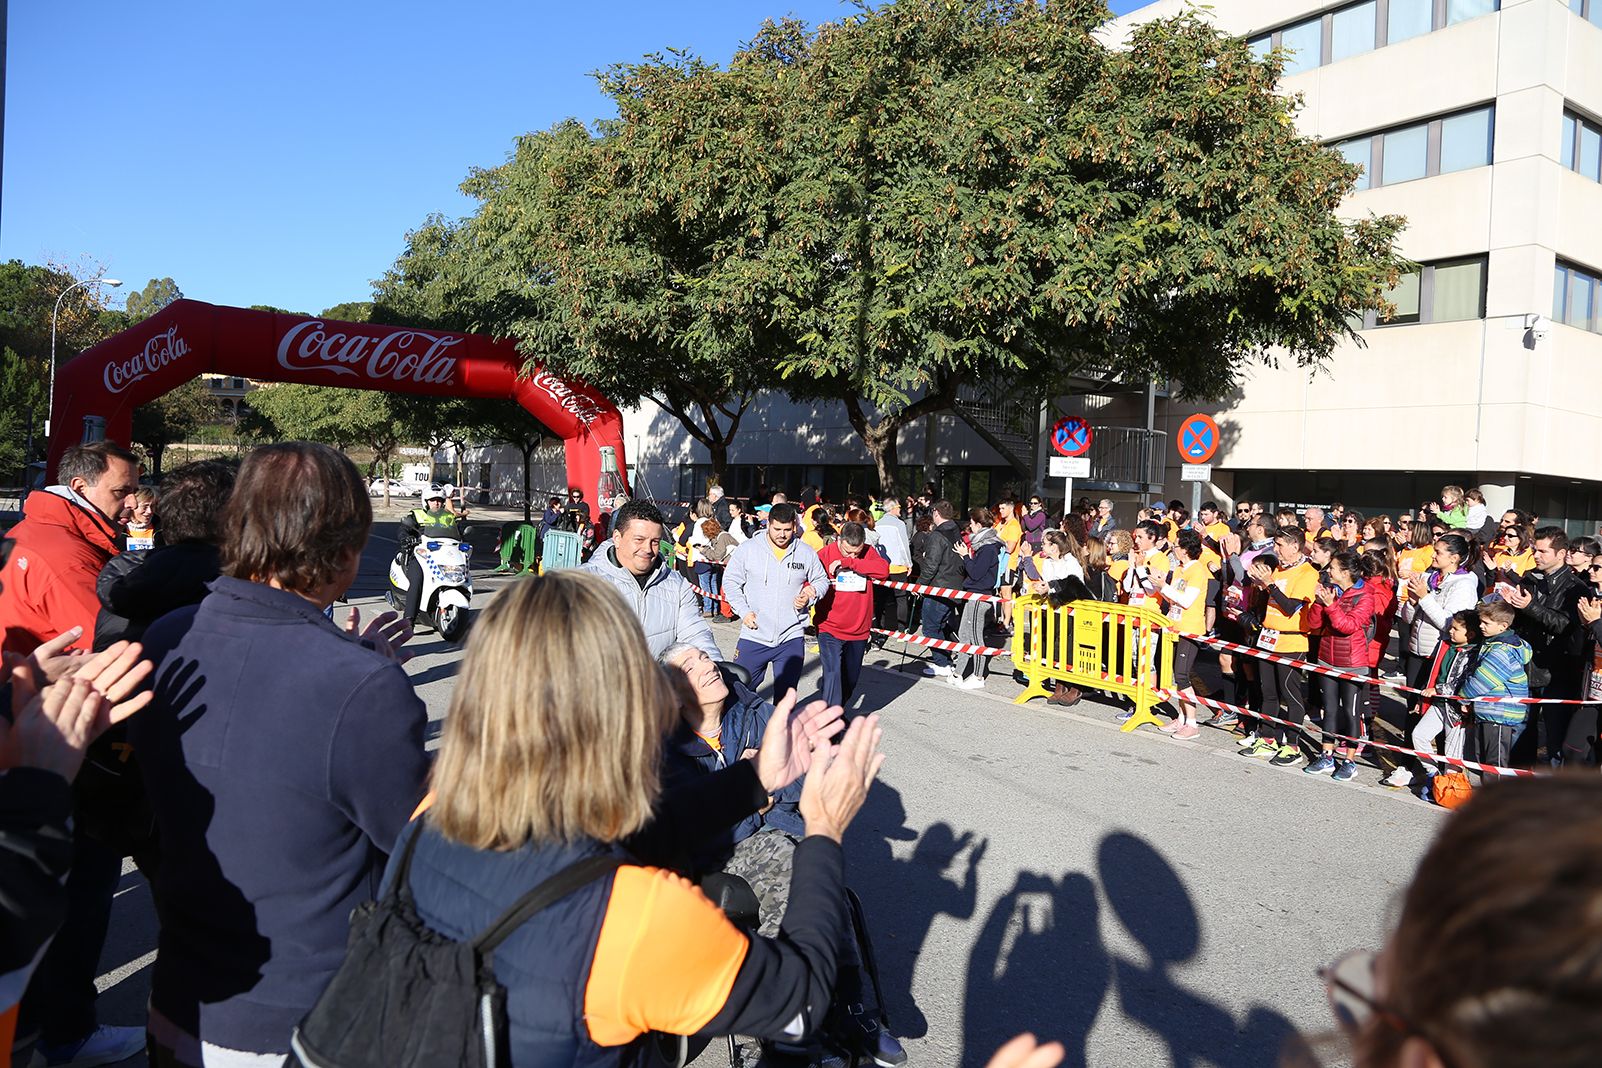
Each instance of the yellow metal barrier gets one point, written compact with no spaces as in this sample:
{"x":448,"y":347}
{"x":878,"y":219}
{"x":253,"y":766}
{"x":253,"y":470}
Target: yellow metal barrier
{"x":1094,"y":645}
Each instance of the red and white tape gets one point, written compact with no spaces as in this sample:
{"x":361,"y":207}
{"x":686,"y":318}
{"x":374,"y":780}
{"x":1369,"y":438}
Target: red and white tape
{"x":1425,"y":755}
{"x":939,"y":591}
{"x":941,"y":643}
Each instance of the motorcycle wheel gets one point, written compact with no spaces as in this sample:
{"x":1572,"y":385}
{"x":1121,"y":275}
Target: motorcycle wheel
{"x":450,"y":621}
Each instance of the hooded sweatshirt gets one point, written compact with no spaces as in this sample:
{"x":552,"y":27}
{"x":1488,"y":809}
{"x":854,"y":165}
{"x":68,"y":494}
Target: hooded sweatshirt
{"x":48,"y":584}
{"x":763,"y":580}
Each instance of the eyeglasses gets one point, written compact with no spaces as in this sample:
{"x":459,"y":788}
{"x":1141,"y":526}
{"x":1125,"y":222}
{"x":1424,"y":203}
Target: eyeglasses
{"x":1350,"y":983}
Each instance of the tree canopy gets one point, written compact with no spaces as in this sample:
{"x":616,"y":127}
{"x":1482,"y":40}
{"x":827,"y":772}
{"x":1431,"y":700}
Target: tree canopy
{"x":156,"y":295}
{"x":921,"y":195}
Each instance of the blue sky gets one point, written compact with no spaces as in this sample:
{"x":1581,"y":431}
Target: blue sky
{"x":277,"y":153}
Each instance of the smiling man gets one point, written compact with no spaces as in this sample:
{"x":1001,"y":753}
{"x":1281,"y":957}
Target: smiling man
{"x":666,"y":605}
{"x":771,"y":581}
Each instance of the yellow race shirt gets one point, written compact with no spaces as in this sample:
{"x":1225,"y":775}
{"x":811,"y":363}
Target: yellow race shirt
{"x":1288,"y":634}
{"x":1191,"y":619}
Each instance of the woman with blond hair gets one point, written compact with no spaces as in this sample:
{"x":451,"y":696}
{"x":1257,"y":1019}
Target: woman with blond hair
{"x":550,"y":757}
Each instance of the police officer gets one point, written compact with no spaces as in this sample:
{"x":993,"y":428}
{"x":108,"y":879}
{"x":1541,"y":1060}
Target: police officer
{"x":431,"y":520}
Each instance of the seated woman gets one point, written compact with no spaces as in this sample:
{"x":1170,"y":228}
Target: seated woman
{"x":722,"y":721}
{"x":551,"y":754}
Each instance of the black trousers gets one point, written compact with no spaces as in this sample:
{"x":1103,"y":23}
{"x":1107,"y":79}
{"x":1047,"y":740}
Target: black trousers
{"x":1284,"y":696}
{"x":60,"y":1000}
{"x":414,"y":587}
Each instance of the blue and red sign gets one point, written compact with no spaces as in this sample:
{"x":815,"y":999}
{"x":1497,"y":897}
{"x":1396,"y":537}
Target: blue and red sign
{"x":1198,"y":439}
{"x":1071,"y":436}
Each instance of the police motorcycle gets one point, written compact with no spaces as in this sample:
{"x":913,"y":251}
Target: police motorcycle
{"x":442,"y":559}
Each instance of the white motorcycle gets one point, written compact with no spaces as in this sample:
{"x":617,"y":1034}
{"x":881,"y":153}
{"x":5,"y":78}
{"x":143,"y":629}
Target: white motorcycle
{"x":447,"y":584}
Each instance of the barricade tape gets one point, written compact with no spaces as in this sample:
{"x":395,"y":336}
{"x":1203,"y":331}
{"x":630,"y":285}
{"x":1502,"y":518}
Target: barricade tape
{"x":941,"y":643}
{"x":1425,"y":755}
{"x":939,"y":591}
{"x":1338,"y":673}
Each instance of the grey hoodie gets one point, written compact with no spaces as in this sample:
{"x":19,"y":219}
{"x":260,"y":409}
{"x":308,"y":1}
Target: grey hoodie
{"x":668,"y":609}
{"x":756,"y":581}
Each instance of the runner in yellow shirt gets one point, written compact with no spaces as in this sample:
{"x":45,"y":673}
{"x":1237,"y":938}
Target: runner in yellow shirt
{"x":1291,"y":589}
{"x":1187,"y":591}
{"x":1011,"y":532}
{"x":1145,"y":560}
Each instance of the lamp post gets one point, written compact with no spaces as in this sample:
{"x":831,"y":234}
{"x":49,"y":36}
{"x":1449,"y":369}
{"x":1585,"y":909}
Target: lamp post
{"x":50,"y":404}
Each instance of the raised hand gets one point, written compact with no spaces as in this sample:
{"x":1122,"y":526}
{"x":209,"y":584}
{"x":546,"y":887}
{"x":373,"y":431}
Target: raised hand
{"x":387,"y":632}
{"x":52,"y":659}
{"x":52,"y":729}
{"x":789,"y":740}
{"x":116,"y":673}
{"x":838,"y":782}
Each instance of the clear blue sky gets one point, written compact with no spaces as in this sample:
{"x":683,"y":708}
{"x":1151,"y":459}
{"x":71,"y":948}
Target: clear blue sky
{"x":277,"y":153}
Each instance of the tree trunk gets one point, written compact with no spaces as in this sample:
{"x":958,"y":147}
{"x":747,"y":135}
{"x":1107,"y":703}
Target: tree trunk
{"x":528,"y":501}
{"x":707,"y":430}
{"x":156,"y":452}
{"x":882,"y":437}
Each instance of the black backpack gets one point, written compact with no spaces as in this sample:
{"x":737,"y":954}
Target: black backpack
{"x":409,"y":997}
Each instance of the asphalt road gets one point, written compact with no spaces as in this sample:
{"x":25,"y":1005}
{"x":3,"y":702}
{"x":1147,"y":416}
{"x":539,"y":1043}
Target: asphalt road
{"x":1144,"y":900}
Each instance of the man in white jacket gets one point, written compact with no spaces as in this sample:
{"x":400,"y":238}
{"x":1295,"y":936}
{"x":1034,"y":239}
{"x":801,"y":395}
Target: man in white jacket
{"x":668,"y":608}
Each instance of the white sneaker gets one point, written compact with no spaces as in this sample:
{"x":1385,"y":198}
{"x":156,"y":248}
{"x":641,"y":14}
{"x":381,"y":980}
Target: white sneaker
{"x":1400,"y":778}
{"x":972,"y":682}
{"x":936,"y":671}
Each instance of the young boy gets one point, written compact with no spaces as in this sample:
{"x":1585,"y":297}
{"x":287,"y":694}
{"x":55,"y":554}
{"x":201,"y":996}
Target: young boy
{"x":1453,"y":661}
{"x":1499,"y":671}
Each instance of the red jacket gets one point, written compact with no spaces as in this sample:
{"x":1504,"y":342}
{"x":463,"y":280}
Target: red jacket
{"x":1383,"y":593}
{"x":48,"y":584}
{"x":848,"y":616}
{"x":1345,"y":628}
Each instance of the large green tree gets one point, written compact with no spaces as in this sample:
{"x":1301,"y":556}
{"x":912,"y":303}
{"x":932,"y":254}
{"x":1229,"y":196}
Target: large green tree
{"x":171,"y":418}
{"x":22,"y":397}
{"x":156,"y":295}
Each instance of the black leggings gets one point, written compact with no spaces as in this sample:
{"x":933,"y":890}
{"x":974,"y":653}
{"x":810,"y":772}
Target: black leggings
{"x":1417,"y":670}
{"x":1284,"y":695}
{"x":1340,"y":708}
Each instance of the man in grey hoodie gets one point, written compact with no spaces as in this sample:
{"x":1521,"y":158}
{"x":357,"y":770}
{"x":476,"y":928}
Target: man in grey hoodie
{"x":770,"y":582}
{"x":667,"y":606}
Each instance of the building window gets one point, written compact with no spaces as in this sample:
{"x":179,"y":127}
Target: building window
{"x":1362,"y":27}
{"x":1444,"y":292}
{"x":1582,"y":144}
{"x":1590,"y":10}
{"x":1422,"y":150}
{"x":1576,"y":293}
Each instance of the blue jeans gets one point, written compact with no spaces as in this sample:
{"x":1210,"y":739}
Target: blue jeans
{"x":935,"y":614}
{"x":785,"y":658}
{"x":842,"y":667}
{"x":706,"y":577}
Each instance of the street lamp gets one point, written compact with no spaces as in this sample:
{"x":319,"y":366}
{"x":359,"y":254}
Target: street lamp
{"x":51,"y":403}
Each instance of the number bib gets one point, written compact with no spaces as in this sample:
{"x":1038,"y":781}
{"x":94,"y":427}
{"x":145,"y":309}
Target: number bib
{"x":1268,"y":639}
{"x":850,"y":582}
{"x":1593,"y":683}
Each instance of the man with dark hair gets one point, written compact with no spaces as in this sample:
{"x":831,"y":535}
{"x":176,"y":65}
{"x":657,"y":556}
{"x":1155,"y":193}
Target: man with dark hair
{"x":935,"y":553}
{"x":281,"y":755}
{"x":845,"y":611}
{"x":770,"y":582}
{"x":1547,"y":601}
{"x":67,"y":534}
{"x":667,"y":605}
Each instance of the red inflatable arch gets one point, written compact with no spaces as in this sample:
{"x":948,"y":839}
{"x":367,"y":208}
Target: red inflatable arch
{"x":189,"y":337}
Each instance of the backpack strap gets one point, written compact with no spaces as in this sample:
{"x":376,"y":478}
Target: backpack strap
{"x":401,"y":886}
{"x":543,"y":896}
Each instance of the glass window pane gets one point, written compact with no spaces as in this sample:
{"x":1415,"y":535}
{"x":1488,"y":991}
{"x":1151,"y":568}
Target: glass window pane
{"x":1466,"y":141}
{"x":1359,"y":152}
{"x":1261,"y":46}
{"x":1576,"y":5}
{"x":1590,"y":151}
{"x":1595,"y":17}
{"x":1570,"y":127}
{"x":1305,"y":42}
{"x":1352,"y":31}
{"x":1409,"y":18}
{"x":1558,"y":279}
{"x":1406,"y":155}
{"x":1581,"y":289}
{"x":1458,"y":10}
{"x":1405,"y":296}
{"x":1459,"y":288}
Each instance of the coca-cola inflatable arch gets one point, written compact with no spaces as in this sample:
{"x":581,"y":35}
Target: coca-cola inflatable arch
{"x":188,"y":338}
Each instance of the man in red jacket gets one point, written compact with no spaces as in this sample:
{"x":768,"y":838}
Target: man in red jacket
{"x":47,"y":587}
{"x":845,"y":614}
{"x":68,"y":532}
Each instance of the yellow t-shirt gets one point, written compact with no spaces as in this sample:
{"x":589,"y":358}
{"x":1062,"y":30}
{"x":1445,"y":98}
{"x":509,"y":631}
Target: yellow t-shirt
{"x":1191,"y":620}
{"x":1412,"y":562}
{"x":778,"y":553}
{"x":1288,"y":634}
{"x":1011,"y":533}
{"x":1216,"y":531}
{"x":814,"y":539}
{"x":1116,"y":569}
{"x":1518,"y":564}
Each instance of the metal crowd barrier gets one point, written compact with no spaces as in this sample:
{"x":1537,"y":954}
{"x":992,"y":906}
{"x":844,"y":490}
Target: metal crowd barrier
{"x":1094,"y":645}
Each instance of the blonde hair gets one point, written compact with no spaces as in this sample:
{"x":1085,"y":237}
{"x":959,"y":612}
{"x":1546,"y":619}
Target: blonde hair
{"x":556,"y":728}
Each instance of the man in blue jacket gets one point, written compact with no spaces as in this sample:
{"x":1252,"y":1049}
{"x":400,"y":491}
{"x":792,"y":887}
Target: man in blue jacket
{"x":770,"y":582}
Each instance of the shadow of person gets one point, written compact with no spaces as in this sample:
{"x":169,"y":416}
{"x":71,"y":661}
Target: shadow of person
{"x":1037,"y":965}
{"x":901,"y":898}
{"x":1152,"y":903}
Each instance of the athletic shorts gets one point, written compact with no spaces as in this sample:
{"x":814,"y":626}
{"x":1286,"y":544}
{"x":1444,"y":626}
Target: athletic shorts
{"x":1185,"y":653}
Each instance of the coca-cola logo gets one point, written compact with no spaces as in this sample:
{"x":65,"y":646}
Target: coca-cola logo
{"x":158,"y":352}
{"x":400,"y":355}
{"x":586,"y":409}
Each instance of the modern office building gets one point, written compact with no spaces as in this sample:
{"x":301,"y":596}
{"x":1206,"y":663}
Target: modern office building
{"x":1481,"y":123}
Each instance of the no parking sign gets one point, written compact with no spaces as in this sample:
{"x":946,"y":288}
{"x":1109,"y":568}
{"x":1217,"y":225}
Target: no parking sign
{"x":1072,"y":436}
{"x":1198,"y":439}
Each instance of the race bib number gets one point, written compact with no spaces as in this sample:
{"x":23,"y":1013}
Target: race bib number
{"x":1268,"y":639}
{"x":1593,"y":683}
{"x":850,"y":581}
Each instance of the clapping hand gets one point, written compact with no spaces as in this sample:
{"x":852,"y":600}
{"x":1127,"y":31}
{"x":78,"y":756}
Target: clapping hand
{"x":53,"y":661}
{"x":789,"y":739}
{"x":1590,"y":610}
{"x":386,"y":632}
{"x":1517,"y":597}
{"x":51,"y":729}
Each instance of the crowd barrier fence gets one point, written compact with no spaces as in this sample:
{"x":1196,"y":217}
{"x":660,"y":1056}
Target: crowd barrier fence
{"x":1114,"y":648}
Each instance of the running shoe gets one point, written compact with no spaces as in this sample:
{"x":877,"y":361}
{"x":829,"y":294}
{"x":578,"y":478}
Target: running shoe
{"x":936,"y":671}
{"x":1224,"y":720}
{"x":971,"y":682}
{"x":1346,"y":772}
{"x":1287,"y":756}
{"x":1399,"y":779}
{"x":1262,"y":749}
{"x":1322,"y":766}
{"x":1247,"y":739}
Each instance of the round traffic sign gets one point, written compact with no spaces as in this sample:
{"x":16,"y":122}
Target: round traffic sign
{"x":1198,"y":439}
{"x":1071,"y":436}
